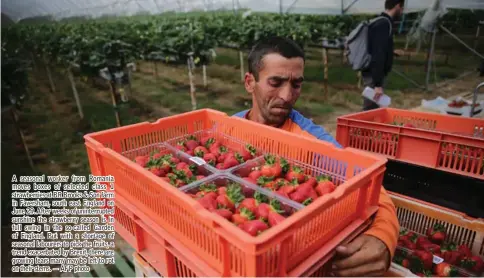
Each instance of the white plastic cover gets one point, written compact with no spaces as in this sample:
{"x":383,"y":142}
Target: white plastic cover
{"x":21,"y":9}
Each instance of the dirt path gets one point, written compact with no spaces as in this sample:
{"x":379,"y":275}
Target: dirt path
{"x":413,"y":98}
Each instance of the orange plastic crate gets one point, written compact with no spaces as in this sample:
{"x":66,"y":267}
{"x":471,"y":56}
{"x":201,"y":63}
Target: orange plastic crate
{"x":165,"y":256}
{"x":222,"y":246}
{"x":418,"y":216}
{"x":439,"y":141}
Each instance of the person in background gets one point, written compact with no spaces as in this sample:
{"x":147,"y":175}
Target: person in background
{"x":381,"y":49}
{"x":274,"y":80}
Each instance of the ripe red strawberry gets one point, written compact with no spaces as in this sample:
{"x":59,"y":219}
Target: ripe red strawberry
{"x":266,"y":182}
{"x":191,"y":143}
{"x":263,"y":209}
{"x":181,"y":147}
{"x":200,"y":151}
{"x":250,"y":180}
{"x":450,"y":254}
{"x":303,"y":192}
{"x":432,"y":248}
{"x":406,"y":263}
{"x":436,"y":233}
{"x":207,"y":141}
{"x":311,"y":180}
{"x":325,"y":186}
{"x":254,"y":227}
{"x":230,"y":161}
{"x":473,"y":264}
{"x":422,"y":257}
{"x":210,"y":158}
{"x":407,"y":243}
{"x":463,"y":249}
{"x":201,"y":194}
{"x":233,"y":197}
{"x":179,"y":183}
{"x":275,"y":218}
{"x":173,"y":160}
{"x":271,"y":168}
{"x":184,"y":173}
{"x":166,"y":165}
{"x":247,"y":203}
{"x":296,"y":173}
{"x":224,"y":156}
{"x":190,"y":153}
{"x":218,"y":150}
{"x":220,"y":166}
{"x":158,"y":171}
{"x":225,"y":213}
{"x":445,"y":270}
{"x":255,"y":174}
{"x":242,"y":216}
{"x":182,"y":165}
{"x":298,"y":196}
{"x":248,"y":152}
{"x":141,"y":160}
{"x":287,"y":189}
{"x":222,"y":190}
{"x":208,"y":202}
{"x":247,"y":191}
{"x":402,"y":261}
{"x":421,"y":241}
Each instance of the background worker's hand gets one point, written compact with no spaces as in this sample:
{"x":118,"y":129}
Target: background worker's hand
{"x":365,"y":256}
{"x":399,"y":52}
{"x":378,"y":93}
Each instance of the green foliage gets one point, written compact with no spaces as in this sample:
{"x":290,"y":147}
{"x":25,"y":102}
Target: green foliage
{"x":14,"y":76}
{"x":112,"y":43}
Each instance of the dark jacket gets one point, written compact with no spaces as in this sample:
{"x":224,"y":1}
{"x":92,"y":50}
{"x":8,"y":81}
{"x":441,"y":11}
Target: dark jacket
{"x":381,"y":50}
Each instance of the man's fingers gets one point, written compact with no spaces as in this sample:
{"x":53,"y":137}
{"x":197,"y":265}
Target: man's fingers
{"x":361,"y":257}
{"x":351,"y":248}
{"x":373,"y":269}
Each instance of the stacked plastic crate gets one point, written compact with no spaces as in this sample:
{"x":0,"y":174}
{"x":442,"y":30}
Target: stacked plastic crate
{"x":162,"y":174}
{"x":435,"y":175}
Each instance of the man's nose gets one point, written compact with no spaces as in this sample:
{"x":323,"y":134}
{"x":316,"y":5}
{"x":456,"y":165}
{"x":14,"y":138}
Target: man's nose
{"x":286,"y":93}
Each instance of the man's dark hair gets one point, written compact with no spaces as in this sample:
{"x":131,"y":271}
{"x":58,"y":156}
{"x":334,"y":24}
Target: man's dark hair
{"x":280,"y":45}
{"x":390,"y":4}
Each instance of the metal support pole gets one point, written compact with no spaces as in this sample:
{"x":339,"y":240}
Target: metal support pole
{"x":477,"y":35}
{"x":474,"y":98}
{"x":429,"y":62}
{"x":460,"y":41}
{"x":74,"y":91}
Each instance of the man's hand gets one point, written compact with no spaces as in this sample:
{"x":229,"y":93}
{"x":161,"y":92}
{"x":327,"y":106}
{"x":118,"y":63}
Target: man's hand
{"x":378,"y":93}
{"x":365,"y":256}
{"x":399,"y":52}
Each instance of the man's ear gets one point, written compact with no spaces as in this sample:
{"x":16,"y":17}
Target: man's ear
{"x":249,"y":82}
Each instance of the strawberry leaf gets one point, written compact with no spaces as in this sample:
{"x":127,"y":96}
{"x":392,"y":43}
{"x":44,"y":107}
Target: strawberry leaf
{"x":307,"y":202}
{"x":260,"y":198}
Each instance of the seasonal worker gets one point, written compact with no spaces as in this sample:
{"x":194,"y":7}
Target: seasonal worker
{"x":276,"y":67}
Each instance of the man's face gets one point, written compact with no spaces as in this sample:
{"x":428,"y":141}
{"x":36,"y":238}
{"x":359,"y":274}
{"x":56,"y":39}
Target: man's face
{"x":399,"y":11}
{"x":278,"y":88}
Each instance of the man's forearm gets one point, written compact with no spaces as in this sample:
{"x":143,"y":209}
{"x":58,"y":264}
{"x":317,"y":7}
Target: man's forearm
{"x":386,"y":226}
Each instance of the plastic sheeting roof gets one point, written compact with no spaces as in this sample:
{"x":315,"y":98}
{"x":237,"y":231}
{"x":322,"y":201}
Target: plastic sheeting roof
{"x":21,"y":9}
